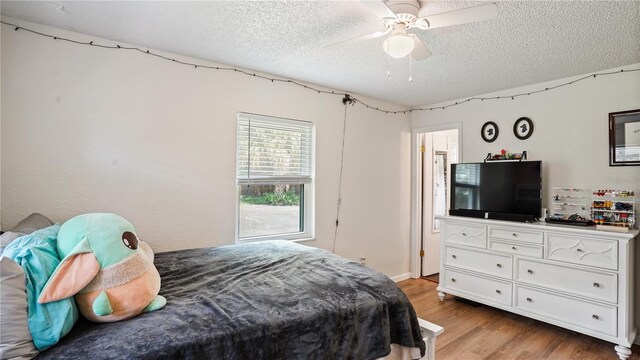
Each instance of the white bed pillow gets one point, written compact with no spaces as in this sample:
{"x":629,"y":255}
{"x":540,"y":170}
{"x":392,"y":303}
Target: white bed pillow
{"x":32,"y":223}
{"x":15,"y":339}
{"x":28,"y":225}
{"x":7,"y":237}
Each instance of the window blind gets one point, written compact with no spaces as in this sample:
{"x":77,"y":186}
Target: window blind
{"x":467,"y":174}
{"x":273,"y":150}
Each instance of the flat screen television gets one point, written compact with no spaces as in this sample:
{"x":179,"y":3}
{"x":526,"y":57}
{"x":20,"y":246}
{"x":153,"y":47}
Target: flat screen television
{"x":505,"y":190}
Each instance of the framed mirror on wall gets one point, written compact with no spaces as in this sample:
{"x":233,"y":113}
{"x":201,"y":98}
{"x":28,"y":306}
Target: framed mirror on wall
{"x":624,"y":138}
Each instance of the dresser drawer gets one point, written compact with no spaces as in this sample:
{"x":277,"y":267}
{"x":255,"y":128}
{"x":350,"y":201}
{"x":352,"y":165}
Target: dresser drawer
{"x":536,"y":237}
{"x":470,"y":235}
{"x":518,"y":249}
{"x":596,"y":317}
{"x":492,"y":264}
{"x":592,"y":284}
{"x":478,"y":287}
{"x":574,"y":249}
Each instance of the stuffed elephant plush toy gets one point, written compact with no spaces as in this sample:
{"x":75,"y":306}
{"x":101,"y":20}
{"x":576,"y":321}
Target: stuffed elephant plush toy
{"x":107,"y":267}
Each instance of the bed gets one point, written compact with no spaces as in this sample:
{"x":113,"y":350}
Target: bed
{"x":267,"y":300}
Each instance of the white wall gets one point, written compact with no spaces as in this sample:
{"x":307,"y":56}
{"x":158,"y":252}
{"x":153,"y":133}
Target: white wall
{"x":95,"y":130}
{"x":571,"y":134}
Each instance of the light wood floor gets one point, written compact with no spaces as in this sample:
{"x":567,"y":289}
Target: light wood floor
{"x":482,"y":332}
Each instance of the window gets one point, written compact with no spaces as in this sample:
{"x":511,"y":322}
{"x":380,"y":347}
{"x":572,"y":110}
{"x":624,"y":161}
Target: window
{"x":274,"y":174}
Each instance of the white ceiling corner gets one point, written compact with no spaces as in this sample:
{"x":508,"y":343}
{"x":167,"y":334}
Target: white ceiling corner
{"x":529,"y":42}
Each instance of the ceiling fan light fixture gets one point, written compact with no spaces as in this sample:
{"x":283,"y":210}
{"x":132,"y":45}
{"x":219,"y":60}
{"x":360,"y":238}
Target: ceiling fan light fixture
{"x":398,"y":45}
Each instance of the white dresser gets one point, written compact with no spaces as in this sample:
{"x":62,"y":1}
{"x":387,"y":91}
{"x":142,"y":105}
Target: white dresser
{"x":574,"y":277}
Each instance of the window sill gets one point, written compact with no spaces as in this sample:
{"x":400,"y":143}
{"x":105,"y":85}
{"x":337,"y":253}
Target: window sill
{"x":250,"y":240}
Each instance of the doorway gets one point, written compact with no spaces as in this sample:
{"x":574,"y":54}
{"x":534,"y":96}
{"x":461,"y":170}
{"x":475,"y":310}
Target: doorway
{"x":438,"y":150}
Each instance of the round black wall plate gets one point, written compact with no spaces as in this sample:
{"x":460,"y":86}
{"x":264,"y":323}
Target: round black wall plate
{"x":489,"y":131}
{"x":523,"y":128}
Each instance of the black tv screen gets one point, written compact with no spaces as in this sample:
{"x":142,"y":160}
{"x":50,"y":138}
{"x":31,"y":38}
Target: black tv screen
{"x":507,"y":188}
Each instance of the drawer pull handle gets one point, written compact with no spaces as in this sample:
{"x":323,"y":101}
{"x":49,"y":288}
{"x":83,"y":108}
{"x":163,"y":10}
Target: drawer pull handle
{"x":596,"y":284}
{"x":464,"y":234}
{"x":579,"y":250}
{"x":514,"y":248}
{"x":454,"y":256}
{"x":499,"y":265}
{"x":530,"y":271}
{"x":498,"y":292}
{"x":595,"y":317}
{"x":453,"y":280}
{"x":529,"y":300}
{"x":514,"y":235}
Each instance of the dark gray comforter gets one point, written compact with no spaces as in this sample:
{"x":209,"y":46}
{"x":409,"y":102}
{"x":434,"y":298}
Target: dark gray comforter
{"x":268,"y":300}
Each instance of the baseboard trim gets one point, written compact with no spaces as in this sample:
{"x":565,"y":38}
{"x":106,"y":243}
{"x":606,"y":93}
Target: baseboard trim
{"x":401,"y":277}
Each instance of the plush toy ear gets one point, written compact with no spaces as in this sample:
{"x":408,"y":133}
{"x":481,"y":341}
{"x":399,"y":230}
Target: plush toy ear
{"x":73,"y":273}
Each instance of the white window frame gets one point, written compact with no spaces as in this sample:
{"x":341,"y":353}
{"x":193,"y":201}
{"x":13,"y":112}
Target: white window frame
{"x":308,"y":193}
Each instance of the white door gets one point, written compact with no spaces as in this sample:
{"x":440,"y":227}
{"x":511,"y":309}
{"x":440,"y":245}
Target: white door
{"x":440,"y":150}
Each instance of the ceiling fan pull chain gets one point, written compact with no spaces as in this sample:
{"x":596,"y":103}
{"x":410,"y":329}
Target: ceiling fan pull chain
{"x":410,"y":69}
{"x":388,"y":67}
{"x":388,"y":57}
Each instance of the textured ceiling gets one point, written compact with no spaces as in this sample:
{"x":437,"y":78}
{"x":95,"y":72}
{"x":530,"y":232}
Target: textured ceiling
{"x":529,"y":42}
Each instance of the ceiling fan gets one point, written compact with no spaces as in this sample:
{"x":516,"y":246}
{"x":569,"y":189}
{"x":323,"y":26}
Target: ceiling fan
{"x":398,"y":16}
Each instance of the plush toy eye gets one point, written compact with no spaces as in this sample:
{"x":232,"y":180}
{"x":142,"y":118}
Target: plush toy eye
{"x":130,"y":240}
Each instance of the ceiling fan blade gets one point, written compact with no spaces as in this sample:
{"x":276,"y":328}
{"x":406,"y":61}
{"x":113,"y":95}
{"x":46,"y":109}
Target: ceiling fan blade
{"x":379,"y":7}
{"x":374,"y":35}
{"x":420,"y":50}
{"x":463,"y":16}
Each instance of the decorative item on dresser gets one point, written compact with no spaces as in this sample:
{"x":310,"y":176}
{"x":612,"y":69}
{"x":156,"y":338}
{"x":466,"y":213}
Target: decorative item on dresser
{"x":577,"y":278}
{"x":613,"y":210}
{"x":569,"y":201}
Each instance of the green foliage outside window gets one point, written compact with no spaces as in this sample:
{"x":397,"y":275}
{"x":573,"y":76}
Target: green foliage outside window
{"x":272,"y":198}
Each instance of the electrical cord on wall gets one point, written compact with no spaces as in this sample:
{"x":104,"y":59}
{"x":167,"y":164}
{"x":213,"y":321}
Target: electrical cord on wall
{"x":346,"y":100}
